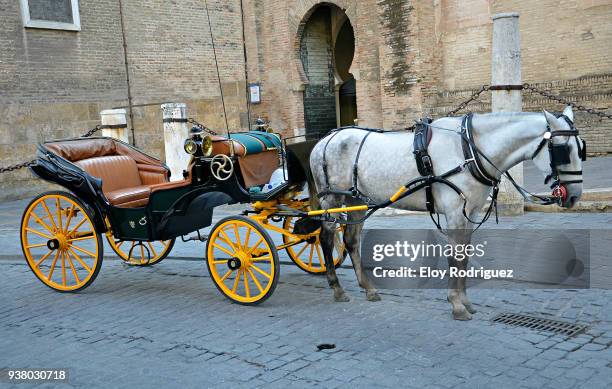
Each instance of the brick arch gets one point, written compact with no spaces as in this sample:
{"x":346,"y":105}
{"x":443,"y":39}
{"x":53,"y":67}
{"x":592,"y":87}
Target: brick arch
{"x":298,"y":18}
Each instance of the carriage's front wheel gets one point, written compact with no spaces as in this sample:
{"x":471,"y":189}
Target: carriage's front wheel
{"x":60,"y":242}
{"x":140,"y":253}
{"x":308,"y":255}
{"x":242,"y":260}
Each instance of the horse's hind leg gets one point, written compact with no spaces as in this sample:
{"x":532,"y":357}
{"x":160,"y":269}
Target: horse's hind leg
{"x":352,"y":238}
{"x":327,"y":239}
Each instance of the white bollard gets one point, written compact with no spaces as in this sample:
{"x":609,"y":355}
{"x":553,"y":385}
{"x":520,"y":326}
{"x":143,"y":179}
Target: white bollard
{"x":506,"y":70}
{"x":175,"y":135}
{"x":114,"y":122}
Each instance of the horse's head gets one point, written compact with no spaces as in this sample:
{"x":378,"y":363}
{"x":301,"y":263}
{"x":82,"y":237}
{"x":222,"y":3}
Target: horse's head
{"x":560,"y":155}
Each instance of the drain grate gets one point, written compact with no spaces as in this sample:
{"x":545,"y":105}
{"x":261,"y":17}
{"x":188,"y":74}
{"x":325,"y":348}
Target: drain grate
{"x":539,"y":324}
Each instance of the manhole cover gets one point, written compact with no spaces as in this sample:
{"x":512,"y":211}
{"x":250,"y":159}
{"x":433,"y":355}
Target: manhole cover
{"x":539,"y":324}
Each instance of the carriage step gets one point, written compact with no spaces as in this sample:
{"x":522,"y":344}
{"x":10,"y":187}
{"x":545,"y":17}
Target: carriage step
{"x":195,"y":237}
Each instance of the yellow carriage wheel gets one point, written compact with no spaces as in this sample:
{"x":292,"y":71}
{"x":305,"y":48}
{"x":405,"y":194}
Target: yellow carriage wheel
{"x":308,"y":255}
{"x":242,"y":260}
{"x":143,"y":253}
{"x":60,"y":242}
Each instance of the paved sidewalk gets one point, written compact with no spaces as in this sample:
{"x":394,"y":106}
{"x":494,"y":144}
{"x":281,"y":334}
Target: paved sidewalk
{"x":169,"y":326}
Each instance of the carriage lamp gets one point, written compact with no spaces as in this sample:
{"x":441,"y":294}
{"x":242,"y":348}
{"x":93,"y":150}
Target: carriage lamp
{"x":190,"y":146}
{"x":207,"y":146}
{"x":197,"y":143}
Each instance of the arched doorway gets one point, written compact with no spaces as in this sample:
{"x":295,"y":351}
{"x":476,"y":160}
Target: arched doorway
{"x":327,"y":47}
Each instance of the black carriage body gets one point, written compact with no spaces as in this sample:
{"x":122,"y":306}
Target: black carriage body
{"x":171,"y":212}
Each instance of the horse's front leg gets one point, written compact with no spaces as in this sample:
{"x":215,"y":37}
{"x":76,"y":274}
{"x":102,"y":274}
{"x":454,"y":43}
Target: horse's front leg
{"x":352,"y":238}
{"x":327,"y":238}
{"x":459,"y":233}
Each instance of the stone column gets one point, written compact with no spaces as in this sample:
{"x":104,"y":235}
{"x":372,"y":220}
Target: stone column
{"x":506,"y":70}
{"x":117,"y":120}
{"x":174,"y":138}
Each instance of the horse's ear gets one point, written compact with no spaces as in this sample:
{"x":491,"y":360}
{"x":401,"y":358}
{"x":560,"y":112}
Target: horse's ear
{"x":569,"y":113}
{"x":552,"y":121}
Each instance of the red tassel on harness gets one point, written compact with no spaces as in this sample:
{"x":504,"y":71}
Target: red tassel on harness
{"x":560,"y":192}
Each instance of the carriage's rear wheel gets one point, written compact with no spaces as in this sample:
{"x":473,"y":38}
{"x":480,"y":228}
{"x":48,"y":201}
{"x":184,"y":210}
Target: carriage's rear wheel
{"x":308,"y":255}
{"x":242,"y":260}
{"x":142,"y":253}
{"x":60,"y":242}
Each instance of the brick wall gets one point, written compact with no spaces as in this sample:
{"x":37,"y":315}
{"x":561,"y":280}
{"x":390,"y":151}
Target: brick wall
{"x":53,"y":83}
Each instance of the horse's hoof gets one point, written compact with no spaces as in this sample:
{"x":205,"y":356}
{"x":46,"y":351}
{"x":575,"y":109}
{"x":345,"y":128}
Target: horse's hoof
{"x":470,"y":308}
{"x":462,"y":314}
{"x":372,"y":295}
{"x":341,"y":297}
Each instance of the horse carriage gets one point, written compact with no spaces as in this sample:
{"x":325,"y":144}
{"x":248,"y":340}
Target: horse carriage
{"x":116,"y":190}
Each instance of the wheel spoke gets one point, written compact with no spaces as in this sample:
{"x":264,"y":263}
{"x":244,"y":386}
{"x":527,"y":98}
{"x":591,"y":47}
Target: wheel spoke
{"x":44,"y":204}
{"x":255,"y":280}
{"x":226,"y":275}
{"x":118,"y":243}
{"x":268,"y":276}
{"x":236,"y":280}
{"x":302,"y":250}
{"x":223,"y":249}
{"x":238,"y":242}
{"x":81,"y":238}
{"x":228,"y":241}
{"x":53,"y":265}
{"x":40,"y":221}
{"x":59,"y":213}
{"x":70,"y":214}
{"x":80,"y":260}
{"x":77,"y":226}
{"x":246,"y":240}
{"x":63,"y":268}
{"x":74,"y":272}
{"x":83,"y":250}
{"x":319,"y":255}
{"x":152,"y":249}
{"x":246,"y":284}
{"x":43,"y":258}
{"x":220,"y":261}
{"x":38,"y":233}
{"x":265,"y":257}
{"x":260,"y":241}
{"x":36,"y":245}
{"x":142,"y":253}
{"x":131,"y":252}
{"x":311,"y":255}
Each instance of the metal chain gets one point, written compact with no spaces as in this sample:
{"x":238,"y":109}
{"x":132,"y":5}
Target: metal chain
{"x":562,"y":100}
{"x":91,"y":132}
{"x":468,"y":101}
{"x":201,"y":126}
{"x":18,"y":166}
{"x":33,"y":162}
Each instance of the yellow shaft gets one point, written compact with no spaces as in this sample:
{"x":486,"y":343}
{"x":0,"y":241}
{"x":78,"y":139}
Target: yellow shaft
{"x":398,"y":194}
{"x":338,"y":210}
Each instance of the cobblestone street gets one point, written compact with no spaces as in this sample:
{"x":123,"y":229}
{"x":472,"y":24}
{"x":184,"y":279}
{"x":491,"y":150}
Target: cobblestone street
{"x":168,"y":325}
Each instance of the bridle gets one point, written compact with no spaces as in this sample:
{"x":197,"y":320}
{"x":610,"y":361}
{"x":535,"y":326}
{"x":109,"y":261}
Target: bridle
{"x":560,"y":155}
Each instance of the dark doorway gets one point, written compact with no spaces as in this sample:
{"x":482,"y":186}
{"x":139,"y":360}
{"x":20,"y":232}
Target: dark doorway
{"x":329,"y":96}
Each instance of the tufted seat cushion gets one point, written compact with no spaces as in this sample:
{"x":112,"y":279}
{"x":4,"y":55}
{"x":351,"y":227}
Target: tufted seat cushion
{"x":121,"y":179}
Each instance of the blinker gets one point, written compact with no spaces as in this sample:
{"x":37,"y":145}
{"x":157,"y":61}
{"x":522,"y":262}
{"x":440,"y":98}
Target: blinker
{"x":560,"y":154}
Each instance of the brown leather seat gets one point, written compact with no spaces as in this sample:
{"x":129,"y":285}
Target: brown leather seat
{"x":121,"y":181}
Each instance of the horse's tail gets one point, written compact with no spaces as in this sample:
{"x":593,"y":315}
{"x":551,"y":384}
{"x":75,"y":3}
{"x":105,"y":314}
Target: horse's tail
{"x":315,"y":204}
